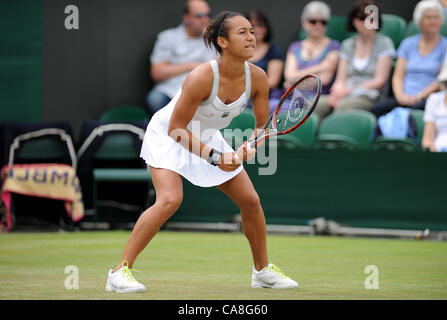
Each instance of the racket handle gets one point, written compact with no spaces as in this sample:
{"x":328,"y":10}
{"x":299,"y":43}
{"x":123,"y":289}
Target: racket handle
{"x":252,"y":144}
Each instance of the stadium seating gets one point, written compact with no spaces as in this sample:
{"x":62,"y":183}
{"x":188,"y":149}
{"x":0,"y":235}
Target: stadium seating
{"x":394,"y":27}
{"x":240,"y":128}
{"x":303,"y":137}
{"x":406,"y":144}
{"x":246,"y":120}
{"x":111,"y":169}
{"x":124,"y":113}
{"x":391,"y":144}
{"x":116,"y":148}
{"x":350,"y":129}
{"x":418,"y":117}
{"x":32,"y":143}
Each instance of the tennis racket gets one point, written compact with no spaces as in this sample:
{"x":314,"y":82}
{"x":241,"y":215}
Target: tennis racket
{"x":294,"y":108}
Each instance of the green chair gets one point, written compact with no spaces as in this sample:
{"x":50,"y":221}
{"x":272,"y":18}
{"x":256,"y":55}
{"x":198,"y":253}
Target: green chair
{"x":124,"y":114}
{"x":51,"y":144}
{"x":391,"y":144}
{"x":43,"y":146}
{"x":240,"y":128}
{"x":412,"y":29}
{"x":303,"y":137}
{"x":118,"y":146}
{"x":350,"y":129}
{"x":394,"y":27}
{"x":115,"y":173}
{"x":418,"y":117}
{"x":118,"y":162}
{"x":405,"y":144}
{"x":336,"y":29}
{"x":246,"y":120}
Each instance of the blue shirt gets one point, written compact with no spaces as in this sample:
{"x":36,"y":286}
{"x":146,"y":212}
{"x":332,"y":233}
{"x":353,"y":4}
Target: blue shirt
{"x":273,"y":53}
{"x":421,"y":71}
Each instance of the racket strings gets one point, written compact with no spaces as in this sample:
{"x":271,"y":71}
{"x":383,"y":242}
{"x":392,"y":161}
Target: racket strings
{"x":296,"y":104}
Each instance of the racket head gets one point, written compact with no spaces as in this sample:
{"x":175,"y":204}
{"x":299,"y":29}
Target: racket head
{"x":294,"y":108}
{"x":296,"y":104}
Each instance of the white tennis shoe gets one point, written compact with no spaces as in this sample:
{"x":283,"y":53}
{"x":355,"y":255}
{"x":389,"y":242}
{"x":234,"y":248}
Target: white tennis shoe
{"x":122,"y":280}
{"x":271,"y":277}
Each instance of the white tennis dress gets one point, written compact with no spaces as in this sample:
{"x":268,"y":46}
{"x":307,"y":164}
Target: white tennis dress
{"x":159,"y":150}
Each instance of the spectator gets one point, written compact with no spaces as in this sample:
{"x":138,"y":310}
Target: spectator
{"x":419,"y":59}
{"x":364,"y":67}
{"x":267,"y":56}
{"x":176,"y":52}
{"x":317,"y":53}
{"x":435,"y":117}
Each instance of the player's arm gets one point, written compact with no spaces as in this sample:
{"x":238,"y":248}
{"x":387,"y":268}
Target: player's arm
{"x":260,"y":107}
{"x":196,"y":88}
{"x":260,"y":98}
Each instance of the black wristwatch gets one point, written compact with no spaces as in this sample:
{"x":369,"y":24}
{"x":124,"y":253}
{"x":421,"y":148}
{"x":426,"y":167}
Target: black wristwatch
{"x":214,"y":157}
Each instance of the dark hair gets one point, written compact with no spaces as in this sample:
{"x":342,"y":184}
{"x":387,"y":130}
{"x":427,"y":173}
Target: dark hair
{"x":218,"y":28}
{"x":358,"y":11}
{"x":262,"y":19}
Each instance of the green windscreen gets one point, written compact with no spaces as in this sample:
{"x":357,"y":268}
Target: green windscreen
{"x":20,"y":60}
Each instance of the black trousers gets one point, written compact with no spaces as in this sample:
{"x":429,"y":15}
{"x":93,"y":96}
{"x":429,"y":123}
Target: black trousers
{"x":384,"y":106}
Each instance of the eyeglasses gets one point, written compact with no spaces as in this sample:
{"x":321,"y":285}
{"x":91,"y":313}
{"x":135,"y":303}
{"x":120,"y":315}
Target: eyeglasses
{"x":315,"y":21}
{"x":202,"y":15}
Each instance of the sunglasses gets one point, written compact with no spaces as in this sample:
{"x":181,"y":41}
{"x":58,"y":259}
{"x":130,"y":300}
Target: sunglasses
{"x":202,"y":15}
{"x":361,"y":17}
{"x":315,"y":21}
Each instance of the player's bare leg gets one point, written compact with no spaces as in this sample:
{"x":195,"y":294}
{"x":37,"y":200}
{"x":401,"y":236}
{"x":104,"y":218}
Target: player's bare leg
{"x":169,"y":196}
{"x":242,"y":192}
{"x":264,"y":275}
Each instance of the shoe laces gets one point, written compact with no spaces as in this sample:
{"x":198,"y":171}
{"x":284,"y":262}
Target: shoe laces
{"x":125,"y":271}
{"x":276,"y":270}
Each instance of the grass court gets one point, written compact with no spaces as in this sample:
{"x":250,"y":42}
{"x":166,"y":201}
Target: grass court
{"x":217,"y":266}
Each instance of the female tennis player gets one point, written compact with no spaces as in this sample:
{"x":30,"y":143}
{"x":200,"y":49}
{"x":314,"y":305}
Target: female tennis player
{"x":183,"y":140}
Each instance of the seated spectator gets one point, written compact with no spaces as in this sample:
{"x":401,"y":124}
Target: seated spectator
{"x":419,"y":59}
{"x":267,"y":56}
{"x":364,"y":66}
{"x":435,"y":117}
{"x":317,"y":53}
{"x":176,"y":52}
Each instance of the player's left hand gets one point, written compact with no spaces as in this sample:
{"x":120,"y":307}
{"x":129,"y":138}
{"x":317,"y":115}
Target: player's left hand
{"x":245,"y":152}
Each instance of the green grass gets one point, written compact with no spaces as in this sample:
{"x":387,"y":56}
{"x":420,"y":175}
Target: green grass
{"x":196,"y":266}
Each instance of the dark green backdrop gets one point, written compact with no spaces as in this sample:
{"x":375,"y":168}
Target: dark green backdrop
{"x":377,"y":189}
{"x":21,"y":60}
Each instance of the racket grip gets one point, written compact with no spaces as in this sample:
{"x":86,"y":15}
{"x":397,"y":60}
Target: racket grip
{"x":252,"y":144}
